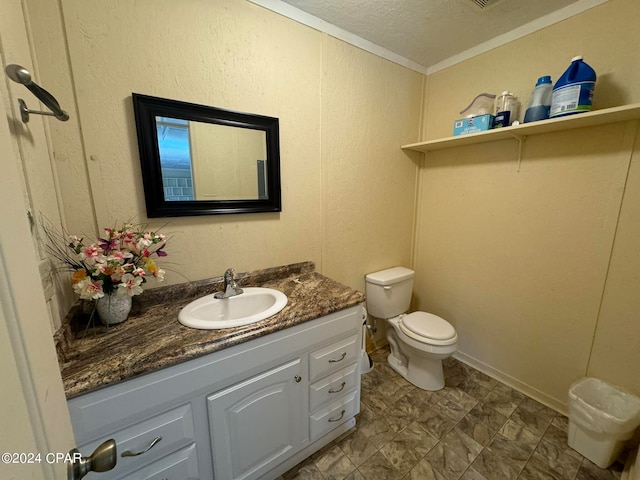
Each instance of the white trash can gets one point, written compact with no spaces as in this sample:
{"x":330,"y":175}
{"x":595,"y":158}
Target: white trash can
{"x":601,"y":420}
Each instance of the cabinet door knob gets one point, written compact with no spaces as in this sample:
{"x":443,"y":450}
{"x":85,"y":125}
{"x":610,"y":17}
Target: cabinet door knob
{"x":129,"y":453}
{"x":298,"y":378}
{"x":336,"y":360}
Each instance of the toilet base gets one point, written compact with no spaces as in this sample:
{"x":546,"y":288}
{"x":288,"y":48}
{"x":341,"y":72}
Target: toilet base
{"x":426,"y":374}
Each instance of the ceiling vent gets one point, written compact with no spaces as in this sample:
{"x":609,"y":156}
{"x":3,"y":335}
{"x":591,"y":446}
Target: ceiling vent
{"x":484,"y":4}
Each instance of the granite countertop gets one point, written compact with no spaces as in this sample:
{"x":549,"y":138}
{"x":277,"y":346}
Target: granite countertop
{"x":152,"y":338}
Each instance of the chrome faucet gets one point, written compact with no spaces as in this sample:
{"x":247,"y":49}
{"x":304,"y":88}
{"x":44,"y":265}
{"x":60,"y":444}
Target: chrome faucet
{"x":230,"y":287}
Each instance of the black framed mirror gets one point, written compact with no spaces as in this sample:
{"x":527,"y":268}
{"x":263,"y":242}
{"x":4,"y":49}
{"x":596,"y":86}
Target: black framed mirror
{"x":201,"y":160}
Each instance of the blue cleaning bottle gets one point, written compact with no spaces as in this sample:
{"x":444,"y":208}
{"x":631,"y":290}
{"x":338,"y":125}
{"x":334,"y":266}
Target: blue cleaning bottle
{"x":573,"y":92}
{"x":540,"y":101}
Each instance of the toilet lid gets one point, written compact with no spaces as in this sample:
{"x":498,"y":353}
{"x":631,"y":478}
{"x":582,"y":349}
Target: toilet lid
{"x":428,"y":325}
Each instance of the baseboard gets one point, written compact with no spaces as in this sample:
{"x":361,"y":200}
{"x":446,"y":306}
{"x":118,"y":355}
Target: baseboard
{"x":553,"y":403}
{"x":381,"y":343}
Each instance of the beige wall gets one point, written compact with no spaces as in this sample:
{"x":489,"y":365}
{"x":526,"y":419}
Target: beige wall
{"x":616,"y":349}
{"x":369,"y":105}
{"x":343,"y":115}
{"x":519,"y":260}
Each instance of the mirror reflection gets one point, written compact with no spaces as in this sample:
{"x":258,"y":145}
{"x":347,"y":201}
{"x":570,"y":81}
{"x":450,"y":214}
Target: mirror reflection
{"x":201,"y":160}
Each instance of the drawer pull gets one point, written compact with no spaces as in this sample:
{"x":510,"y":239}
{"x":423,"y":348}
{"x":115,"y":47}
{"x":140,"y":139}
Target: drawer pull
{"x":129,"y":453}
{"x":298,"y":378}
{"x":336,"y":360}
{"x":339,"y":389}
{"x":339,"y":418}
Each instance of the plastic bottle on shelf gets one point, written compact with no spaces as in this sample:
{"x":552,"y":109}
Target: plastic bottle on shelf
{"x":573,"y":92}
{"x":540,"y":101}
{"x":507,"y":110}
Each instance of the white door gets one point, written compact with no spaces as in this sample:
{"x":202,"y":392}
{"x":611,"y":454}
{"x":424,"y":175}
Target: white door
{"x":34,"y":420}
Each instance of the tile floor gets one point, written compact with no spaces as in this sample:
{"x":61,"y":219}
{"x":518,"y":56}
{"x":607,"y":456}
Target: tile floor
{"x":476,"y":428}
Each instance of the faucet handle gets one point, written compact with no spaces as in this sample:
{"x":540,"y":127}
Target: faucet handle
{"x":229,"y":286}
{"x":228,"y":276}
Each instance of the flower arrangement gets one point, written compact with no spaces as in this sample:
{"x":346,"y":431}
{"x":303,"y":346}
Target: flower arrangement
{"x":118,"y":264}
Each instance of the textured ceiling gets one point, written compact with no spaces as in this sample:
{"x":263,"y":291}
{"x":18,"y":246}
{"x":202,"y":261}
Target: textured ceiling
{"x":428,"y":32}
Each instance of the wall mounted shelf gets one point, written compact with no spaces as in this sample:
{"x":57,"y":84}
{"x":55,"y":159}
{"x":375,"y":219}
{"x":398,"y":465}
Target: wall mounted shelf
{"x":522,"y":131}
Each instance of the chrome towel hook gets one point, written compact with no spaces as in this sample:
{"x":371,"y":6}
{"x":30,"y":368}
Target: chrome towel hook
{"x":21,"y":75}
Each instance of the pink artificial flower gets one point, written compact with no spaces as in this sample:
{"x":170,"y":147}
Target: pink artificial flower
{"x":120,"y":255}
{"x":130,"y":285}
{"x":139,"y":272}
{"x":143,"y":243}
{"x":118,"y":273}
{"x":90,"y":253}
{"x":89,"y":290}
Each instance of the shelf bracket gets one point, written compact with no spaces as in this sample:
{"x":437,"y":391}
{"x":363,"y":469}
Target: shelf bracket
{"x":521,"y":139}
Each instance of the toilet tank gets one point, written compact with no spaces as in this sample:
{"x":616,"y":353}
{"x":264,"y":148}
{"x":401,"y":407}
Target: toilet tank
{"x":389,"y":291}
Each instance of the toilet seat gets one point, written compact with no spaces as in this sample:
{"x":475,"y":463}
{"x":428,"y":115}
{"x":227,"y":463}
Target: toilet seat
{"x":428,"y":328}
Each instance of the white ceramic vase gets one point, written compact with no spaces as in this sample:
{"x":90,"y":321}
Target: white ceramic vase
{"x":113,"y":309}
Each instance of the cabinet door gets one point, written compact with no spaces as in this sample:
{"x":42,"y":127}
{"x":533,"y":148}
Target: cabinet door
{"x":257,"y":423}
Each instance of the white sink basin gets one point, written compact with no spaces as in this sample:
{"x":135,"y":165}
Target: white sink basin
{"x":253,"y":305}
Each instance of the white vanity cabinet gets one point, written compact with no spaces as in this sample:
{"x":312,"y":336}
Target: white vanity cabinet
{"x":251,"y":411}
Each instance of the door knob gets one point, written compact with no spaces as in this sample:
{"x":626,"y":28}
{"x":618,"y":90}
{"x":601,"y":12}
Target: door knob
{"x":103,"y":459}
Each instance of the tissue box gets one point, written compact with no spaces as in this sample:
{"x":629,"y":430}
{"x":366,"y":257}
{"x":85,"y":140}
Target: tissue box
{"x":465,"y":126}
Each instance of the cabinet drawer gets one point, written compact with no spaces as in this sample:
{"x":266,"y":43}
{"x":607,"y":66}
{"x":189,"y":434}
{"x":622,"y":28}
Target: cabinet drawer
{"x":333,"y":357}
{"x":333,"y":415}
{"x":181,"y":465}
{"x":333,"y":387}
{"x":175,"y":428}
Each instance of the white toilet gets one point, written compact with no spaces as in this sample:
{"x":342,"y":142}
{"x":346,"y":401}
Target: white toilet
{"x":419,"y":341}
